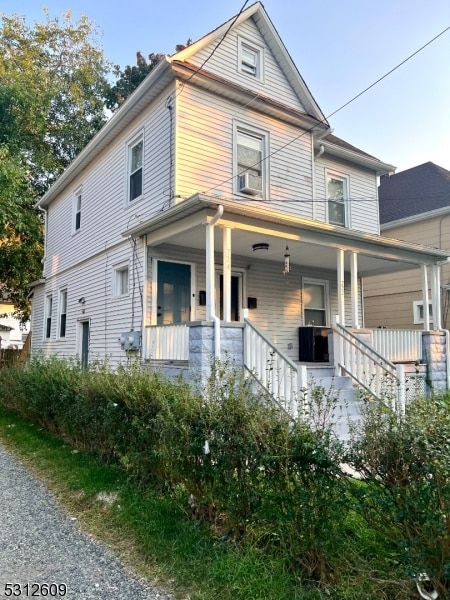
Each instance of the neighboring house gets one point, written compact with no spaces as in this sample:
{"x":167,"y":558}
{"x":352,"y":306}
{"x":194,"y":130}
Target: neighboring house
{"x":12,"y":331}
{"x":414,"y":206}
{"x":216,"y":211}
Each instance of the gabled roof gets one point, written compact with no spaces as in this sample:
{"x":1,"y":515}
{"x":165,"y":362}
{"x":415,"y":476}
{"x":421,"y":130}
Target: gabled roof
{"x":342,"y":149}
{"x":276,"y":46}
{"x":416,"y":191}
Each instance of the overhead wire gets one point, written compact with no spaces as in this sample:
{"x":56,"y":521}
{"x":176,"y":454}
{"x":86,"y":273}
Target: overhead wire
{"x":325,"y":119}
{"x":211,"y":54}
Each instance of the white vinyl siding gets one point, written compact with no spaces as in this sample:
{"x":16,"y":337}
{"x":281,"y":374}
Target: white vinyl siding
{"x":223,"y":64}
{"x":105,"y":210}
{"x":109,"y":317}
{"x":205,"y":152}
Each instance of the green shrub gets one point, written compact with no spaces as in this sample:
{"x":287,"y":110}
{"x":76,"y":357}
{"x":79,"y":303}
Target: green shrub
{"x":406,"y":464}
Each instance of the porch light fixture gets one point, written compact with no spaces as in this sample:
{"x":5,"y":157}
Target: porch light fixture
{"x":260,"y":246}
{"x":287,"y":261}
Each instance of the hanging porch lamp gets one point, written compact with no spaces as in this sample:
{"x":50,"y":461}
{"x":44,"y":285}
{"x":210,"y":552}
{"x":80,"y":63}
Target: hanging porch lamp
{"x":287,"y":261}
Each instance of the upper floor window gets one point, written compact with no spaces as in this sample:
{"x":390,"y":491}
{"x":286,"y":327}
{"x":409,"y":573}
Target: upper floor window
{"x":120,"y":280}
{"x":251,"y":59}
{"x":77,"y":211}
{"x":135,"y":161}
{"x":48,"y":316}
{"x":62,"y":316}
{"x":250,"y":152}
{"x":337,"y":195}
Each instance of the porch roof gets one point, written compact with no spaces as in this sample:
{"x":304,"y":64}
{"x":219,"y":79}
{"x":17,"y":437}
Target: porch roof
{"x":312,"y":243}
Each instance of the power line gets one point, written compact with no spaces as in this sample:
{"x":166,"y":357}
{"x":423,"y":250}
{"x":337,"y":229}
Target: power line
{"x":213,"y":50}
{"x":324,"y":120}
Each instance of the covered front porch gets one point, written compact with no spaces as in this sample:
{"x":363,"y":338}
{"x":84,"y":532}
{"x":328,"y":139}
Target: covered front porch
{"x":230,"y":266}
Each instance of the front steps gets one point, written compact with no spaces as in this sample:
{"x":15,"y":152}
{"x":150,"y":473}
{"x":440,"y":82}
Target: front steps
{"x":347,"y":409}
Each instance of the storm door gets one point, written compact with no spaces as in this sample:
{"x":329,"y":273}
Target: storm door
{"x":174,"y":293}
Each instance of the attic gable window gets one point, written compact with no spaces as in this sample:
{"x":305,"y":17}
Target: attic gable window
{"x":251,"y":59}
{"x":135,"y":163}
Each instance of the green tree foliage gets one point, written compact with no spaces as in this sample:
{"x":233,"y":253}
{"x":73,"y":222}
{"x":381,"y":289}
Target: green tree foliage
{"x":52,"y":87}
{"x":130,"y":77}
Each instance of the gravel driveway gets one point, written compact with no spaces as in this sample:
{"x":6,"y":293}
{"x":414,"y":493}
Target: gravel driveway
{"x":40,"y":544}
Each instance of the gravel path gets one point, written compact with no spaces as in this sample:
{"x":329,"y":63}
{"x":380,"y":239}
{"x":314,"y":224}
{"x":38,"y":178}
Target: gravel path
{"x":39,"y":543}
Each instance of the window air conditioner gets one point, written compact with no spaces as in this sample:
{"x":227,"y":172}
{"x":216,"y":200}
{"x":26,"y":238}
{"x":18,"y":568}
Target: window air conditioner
{"x":249,"y":183}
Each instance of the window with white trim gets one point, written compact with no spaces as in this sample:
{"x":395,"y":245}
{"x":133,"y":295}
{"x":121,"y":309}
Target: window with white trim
{"x":120,"y":280}
{"x":418,"y":312}
{"x":77,"y":211}
{"x":48,"y":316}
{"x":251,"y":59}
{"x":135,"y":165}
{"x":62,"y":313}
{"x":315,"y":298}
{"x":337,"y":196}
{"x":250,"y":163}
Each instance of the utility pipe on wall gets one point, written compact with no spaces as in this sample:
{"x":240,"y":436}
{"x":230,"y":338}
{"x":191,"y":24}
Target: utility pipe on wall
{"x":210,"y":273}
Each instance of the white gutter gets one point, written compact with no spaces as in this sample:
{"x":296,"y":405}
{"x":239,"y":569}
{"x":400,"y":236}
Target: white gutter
{"x":44,"y":210}
{"x":210,"y":272}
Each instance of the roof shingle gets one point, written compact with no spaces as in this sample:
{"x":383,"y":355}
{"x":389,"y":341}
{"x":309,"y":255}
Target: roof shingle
{"x":413,"y":192}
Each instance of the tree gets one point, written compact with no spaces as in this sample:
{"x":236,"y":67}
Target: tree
{"x":130,"y":77}
{"x":52,"y":91}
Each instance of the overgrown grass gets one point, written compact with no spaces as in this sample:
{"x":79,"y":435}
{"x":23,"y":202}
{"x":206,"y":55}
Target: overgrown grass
{"x":214,"y":494}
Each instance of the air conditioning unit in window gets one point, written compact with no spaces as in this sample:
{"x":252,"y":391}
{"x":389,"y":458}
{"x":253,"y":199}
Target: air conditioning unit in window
{"x":251,"y":184}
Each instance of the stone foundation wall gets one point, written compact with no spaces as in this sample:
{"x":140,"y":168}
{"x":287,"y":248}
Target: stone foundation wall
{"x":435,"y":356}
{"x":201,"y":347}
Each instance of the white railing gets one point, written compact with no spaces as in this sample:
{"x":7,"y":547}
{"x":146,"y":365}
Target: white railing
{"x":275,"y":371}
{"x":398,"y":345}
{"x":372,"y":372}
{"x":167,"y":342}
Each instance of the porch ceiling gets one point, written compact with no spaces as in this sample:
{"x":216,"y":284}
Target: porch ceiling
{"x":310,"y":243}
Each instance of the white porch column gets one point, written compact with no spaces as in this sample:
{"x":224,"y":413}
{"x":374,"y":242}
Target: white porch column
{"x":354,"y":284}
{"x":340,"y":286}
{"x":227,"y":274}
{"x":210,"y":270}
{"x":425,"y":299}
{"x":436,"y":295}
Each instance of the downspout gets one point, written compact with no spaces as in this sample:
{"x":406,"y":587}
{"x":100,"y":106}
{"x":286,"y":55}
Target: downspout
{"x":313,"y":169}
{"x":211,"y":305}
{"x":44,"y":210}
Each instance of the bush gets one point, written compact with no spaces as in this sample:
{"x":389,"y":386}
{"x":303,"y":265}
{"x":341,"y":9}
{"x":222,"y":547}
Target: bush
{"x":406,"y":464}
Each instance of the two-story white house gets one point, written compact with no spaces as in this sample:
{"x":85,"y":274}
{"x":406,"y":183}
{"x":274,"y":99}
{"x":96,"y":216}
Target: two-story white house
{"x":216,"y":210}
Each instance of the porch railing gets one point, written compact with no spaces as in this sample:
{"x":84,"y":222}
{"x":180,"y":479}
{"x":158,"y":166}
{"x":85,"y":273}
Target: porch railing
{"x":167,"y":342}
{"x":376,"y":375}
{"x":275,"y":371}
{"x":398,"y":345}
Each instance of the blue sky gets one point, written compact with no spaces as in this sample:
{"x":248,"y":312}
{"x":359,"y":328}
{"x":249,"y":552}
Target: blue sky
{"x":339,"y":47}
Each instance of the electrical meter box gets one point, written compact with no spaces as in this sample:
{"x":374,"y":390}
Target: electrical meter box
{"x":130,"y":340}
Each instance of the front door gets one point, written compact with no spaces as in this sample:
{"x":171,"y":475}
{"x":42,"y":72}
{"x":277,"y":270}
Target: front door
{"x":84,"y":344}
{"x":174,"y":293}
{"x":235,"y":295}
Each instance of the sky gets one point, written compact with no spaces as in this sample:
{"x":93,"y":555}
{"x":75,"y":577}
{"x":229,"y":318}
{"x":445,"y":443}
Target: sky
{"x":339,"y":47}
